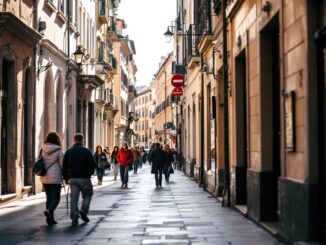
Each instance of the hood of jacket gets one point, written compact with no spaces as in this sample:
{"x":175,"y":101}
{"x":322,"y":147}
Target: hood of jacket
{"x":50,"y":148}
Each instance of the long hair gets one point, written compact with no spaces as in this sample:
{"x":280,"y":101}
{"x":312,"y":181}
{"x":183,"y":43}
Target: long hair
{"x":99,"y":146}
{"x":115,"y":147}
{"x":166,"y":147}
{"x":53,"y":138}
{"x":126,"y":144}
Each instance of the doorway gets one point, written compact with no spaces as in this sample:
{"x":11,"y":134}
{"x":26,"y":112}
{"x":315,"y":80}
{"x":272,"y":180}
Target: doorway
{"x":321,"y":49}
{"x":7,"y":76}
{"x":28,"y":128}
{"x":270,"y":118}
{"x":241,"y":129}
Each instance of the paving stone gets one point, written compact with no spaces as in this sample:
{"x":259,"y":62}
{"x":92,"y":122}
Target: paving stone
{"x":179,"y":213}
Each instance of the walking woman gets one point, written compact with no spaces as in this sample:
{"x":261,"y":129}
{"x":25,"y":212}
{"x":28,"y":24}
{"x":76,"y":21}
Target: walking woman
{"x":136,"y":157}
{"x":114,"y":161}
{"x":100,"y":159}
{"x":53,"y":157}
{"x":168,"y":163}
{"x":125,"y":158}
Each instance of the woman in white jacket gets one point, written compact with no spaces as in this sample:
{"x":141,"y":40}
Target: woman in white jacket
{"x":53,"y":157}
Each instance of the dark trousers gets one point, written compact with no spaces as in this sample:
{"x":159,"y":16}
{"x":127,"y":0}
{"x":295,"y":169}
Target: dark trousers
{"x":100,"y":173}
{"x":52,"y":192}
{"x":158,"y":177}
{"x":124,"y":174}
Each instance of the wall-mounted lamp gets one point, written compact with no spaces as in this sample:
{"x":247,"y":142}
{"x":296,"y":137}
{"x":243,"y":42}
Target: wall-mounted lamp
{"x":168,"y":34}
{"x":42,"y":68}
{"x":266,"y":7}
{"x":205,"y":68}
{"x":79,"y":56}
{"x":41,"y":27}
{"x":238,"y":41}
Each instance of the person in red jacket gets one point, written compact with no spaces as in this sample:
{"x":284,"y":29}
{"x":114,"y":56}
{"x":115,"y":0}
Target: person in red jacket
{"x":125,"y":158}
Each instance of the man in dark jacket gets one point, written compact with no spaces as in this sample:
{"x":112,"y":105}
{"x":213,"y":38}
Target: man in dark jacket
{"x":158,"y":159}
{"x":78,"y":167}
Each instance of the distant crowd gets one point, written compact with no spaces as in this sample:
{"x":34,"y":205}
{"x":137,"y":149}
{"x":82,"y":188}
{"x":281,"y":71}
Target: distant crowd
{"x":75,"y":167}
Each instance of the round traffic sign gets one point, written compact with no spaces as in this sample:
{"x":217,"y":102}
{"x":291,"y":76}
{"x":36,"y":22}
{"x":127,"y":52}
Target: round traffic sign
{"x":177,"y":92}
{"x":178,"y":80}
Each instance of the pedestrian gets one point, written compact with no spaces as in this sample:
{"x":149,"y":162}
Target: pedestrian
{"x":150,"y":151}
{"x":52,"y":154}
{"x":125,"y":159}
{"x":158,"y":159}
{"x":114,"y":161}
{"x":168,"y":163}
{"x":78,"y":167}
{"x":143,"y":155}
{"x":136,"y":157}
{"x":100,"y":159}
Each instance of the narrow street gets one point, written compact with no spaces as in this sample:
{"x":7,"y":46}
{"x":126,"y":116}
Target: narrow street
{"x":179,"y":213}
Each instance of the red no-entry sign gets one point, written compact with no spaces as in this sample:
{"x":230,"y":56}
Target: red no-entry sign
{"x":178,"y":80}
{"x":177,"y":92}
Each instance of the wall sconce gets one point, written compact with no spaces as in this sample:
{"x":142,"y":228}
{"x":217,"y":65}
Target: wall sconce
{"x":42,"y":68}
{"x":266,"y":7}
{"x":41,"y":27}
{"x":79,"y":57}
{"x":168,"y":34}
{"x":238,"y":41}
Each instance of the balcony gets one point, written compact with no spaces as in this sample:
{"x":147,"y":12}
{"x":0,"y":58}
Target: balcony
{"x":110,"y":103}
{"x":111,"y":64}
{"x":192,"y":54}
{"x":100,"y":96}
{"x":112,"y":28}
{"x":102,"y":12}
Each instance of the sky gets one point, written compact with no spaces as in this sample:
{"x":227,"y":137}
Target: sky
{"x":147,"y":20}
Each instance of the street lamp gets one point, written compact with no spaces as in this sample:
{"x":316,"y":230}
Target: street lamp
{"x":78,"y":56}
{"x":168,"y":34}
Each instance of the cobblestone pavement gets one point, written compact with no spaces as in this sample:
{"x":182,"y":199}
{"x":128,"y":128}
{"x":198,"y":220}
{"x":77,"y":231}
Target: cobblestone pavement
{"x":179,"y":213}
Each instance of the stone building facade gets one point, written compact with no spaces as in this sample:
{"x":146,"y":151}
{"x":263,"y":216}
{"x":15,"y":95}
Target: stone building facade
{"x":18,"y":41}
{"x":144,"y":117}
{"x":263,"y":83}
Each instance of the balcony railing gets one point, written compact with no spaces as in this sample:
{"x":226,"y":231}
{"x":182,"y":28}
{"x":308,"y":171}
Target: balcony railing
{"x":112,"y":28}
{"x":102,"y":12}
{"x":192,"y":42}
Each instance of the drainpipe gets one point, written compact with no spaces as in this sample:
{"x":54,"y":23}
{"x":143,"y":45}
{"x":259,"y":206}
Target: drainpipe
{"x":35,"y":26}
{"x":226,"y":191}
{"x":202,"y":132}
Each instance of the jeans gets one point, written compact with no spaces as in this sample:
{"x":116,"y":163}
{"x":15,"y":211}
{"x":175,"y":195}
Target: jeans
{"x":115,"y":170}
{"x":136,"y":164}
{"x":86,"y":188}
{"x":124,"y":170}
{"x":158,"y":177}
{"x":100,"y":173}
{"x":52,"y":192}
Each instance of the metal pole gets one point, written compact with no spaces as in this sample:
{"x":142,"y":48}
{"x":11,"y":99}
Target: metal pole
{"x":226,"y":190}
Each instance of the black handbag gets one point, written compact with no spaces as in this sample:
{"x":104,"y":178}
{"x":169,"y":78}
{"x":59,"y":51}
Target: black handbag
{"x":171,"y":170}
{"x":107,"y":165}
{"x":39,"y":168}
